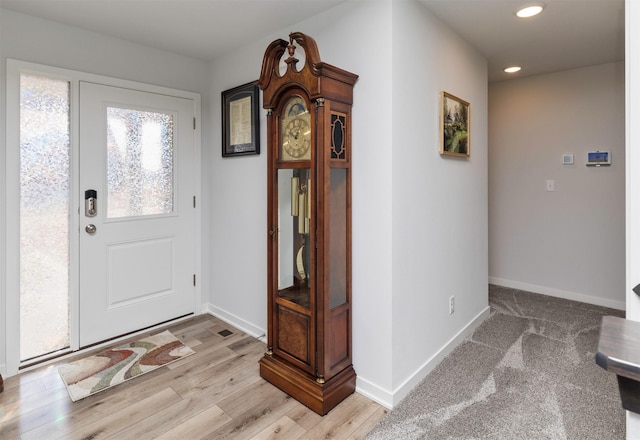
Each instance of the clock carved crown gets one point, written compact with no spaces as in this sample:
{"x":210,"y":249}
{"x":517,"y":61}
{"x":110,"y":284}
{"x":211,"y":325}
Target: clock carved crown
{"x":316,"y":78}
{"x":309,"y":353}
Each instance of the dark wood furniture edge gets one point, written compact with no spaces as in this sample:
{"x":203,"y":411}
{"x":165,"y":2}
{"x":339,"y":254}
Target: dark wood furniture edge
{"x":619,"y":353}
{"x":321,"y":398}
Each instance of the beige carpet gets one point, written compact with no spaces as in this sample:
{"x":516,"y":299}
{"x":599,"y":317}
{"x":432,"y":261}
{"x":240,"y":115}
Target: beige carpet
{"x":528,"y":372}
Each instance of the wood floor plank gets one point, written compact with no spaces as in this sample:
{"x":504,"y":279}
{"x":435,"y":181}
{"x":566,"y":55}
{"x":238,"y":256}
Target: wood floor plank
{"x":361,"y":431}
{"x":249,"y":347}
{"x":17,"y":388}
{"x":52,"y":380}
{"x":100,"y":405}
{"x":22,"y":380}
{"x":35,"y":415}
{"x":343,"y":420}
{"x":187,"y":324}
{"x":222,"y":341}
{"x":252,"y":410}
{"x":135,"y":412}
{"x":224,"y":378}
{"x":304,"y":417}
{"x":202,"y":328}
{"x":260,"y":396}
{"x":282,"y":429}
{"x":172,"y":416}
{"x":99,"y":427}
{"x":216,"y":393}
{"x":197,"y":426}
{"x":52,"y":389}
{"x":205,"y":356}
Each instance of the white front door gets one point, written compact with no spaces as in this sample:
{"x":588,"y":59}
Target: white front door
{"x":137,"y":222}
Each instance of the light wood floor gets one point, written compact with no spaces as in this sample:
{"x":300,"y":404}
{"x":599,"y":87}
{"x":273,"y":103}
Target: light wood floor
{"x":216,"y":393}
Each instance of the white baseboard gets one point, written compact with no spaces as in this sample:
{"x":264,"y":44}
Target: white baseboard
{"x":3,"y":370}
{"x":364,"y":387}
{"x":367,"y":388}
{"x":564,"y":294}
{"x":386,"y":398}
{"x":633,"y":425}
{"x":236,"y":321}
{"x":391,"y":399}
{"x":374,"y":392}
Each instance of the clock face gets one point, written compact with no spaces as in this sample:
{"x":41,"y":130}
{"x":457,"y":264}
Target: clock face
{"x":295,"y":130}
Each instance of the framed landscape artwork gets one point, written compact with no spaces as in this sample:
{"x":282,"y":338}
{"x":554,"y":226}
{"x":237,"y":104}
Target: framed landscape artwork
{"x":455,"y":119}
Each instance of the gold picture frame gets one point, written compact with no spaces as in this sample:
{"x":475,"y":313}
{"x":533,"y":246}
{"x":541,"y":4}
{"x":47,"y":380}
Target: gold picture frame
{"x":455,"y":126}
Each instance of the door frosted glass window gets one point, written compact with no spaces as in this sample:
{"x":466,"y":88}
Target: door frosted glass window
{"x":139,"y":163}
{"x":44,"y":215}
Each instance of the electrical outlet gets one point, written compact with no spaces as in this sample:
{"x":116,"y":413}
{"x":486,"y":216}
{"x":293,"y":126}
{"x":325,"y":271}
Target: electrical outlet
{"x":451,"y":304}
{"x":551,"y":185}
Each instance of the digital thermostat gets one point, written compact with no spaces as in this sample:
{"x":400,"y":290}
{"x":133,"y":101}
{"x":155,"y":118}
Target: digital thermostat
{"x":598,"y":158}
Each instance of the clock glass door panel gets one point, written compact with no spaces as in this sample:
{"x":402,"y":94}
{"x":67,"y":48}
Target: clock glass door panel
{"x":294,"y":237}
{"x":338,"y":258}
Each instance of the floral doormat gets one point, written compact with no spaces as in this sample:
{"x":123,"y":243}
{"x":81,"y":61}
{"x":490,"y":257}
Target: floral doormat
{"x":113,"y":366}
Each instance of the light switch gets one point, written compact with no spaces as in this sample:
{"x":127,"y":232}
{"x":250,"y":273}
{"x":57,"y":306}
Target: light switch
{"x":551,"y":185}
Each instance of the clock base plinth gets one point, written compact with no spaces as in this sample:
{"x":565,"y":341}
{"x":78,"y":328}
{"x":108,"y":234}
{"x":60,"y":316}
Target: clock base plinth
{"x":303,"y":387}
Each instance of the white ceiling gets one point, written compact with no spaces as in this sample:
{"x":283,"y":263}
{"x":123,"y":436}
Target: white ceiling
{"x":198,"y":28}
{"x":568,"y":34}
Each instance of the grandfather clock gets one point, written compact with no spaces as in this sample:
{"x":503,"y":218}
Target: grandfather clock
{"x":309,"y":352}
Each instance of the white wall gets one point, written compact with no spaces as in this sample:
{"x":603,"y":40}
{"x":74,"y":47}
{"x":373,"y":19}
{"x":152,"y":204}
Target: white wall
{"x":39,"y":41}
{"x":237,"y":196}
{"x":412,"y":239}
{"x":439,"y":203}
{"x":390,"y":250}
{"x":571,"y":242}
{"x":406,"y":261}
{"x":354,"y":37}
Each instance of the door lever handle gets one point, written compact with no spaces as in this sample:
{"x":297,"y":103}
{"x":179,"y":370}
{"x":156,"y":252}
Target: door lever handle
{"x":90,"y":203}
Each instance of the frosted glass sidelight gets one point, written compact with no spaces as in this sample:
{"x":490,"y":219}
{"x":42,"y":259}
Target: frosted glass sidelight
{"x":44,"y":216}
{"x":139,"y":163}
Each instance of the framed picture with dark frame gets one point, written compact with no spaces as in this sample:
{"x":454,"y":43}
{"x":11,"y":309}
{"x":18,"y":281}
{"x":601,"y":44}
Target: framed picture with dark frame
{"x":455,"y":126}
{"x":240,"y":121}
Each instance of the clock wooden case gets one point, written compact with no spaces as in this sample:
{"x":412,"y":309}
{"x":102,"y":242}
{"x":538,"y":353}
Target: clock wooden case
{"x":309,"y":352}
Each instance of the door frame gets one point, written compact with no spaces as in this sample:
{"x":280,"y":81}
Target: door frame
{"x":632,"y":159}
{"x":12,"y":196}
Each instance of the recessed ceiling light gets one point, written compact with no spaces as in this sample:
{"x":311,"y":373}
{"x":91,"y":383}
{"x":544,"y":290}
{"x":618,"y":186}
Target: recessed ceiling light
{"x":530,"y":9}
{"x":512,"y":69}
